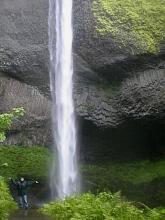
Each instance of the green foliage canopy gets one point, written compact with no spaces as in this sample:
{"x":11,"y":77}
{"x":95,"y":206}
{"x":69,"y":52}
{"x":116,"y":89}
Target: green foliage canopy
{"x":6,"y":120}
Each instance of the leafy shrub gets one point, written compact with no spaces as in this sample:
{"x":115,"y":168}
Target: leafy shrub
{"x":104,"y":206}
{"x":6,"y":120}
{"x":30,"y":162}
{"x":7,"y":203}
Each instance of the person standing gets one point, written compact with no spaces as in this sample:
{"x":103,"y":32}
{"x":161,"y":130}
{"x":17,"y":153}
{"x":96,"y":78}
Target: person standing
{"x":22,"y":187}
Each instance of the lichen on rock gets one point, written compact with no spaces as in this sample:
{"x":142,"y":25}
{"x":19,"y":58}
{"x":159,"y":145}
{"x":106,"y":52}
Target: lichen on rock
{"x":139,"y":23}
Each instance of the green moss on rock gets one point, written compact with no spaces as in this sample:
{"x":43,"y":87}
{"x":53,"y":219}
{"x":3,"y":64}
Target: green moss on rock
{"x":140,"y":23}
{"x":135,"y":172}
{"x":140,"y":181}
{"x":32,"y":162}
{"x":7,"y":204}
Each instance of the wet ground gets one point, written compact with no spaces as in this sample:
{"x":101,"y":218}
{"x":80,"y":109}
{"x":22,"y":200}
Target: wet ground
{"x":31,"y":214}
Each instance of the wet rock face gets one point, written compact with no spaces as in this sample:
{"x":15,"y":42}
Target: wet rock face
{"x":132,"y":140}
{"x":34,"y":127}
{"x":141,"y":96}
{"x":24,"y":44}
{"x":111,"y":85}
{"x":96,"y":50}
{"x":23,"y":40}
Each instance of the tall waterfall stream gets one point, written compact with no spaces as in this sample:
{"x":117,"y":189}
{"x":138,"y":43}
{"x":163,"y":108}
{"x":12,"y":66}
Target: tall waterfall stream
{"x":64,"y":178}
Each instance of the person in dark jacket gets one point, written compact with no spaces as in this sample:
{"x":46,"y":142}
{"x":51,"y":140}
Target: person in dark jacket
{"x":22,"y":188}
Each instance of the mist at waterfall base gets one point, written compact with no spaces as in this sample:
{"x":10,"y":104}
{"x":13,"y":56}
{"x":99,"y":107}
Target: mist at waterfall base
{"x":64,"y":175}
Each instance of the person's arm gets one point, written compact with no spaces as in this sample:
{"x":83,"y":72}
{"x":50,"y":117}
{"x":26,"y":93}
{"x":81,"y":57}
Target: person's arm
{"x":13,"y":182}
{"x":30,"y":183}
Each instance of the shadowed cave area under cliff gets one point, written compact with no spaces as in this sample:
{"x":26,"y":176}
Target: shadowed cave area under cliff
{"x":133,"y":140}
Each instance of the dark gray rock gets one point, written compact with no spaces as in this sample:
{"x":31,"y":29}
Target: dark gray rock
{"x":23,"y":41}
{"x":96,"y":50}
{"x":142,"y":96}
{"x":102,"y":52}
{"x":34,"y":127}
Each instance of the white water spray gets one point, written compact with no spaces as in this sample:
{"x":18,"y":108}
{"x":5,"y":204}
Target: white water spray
{"x":61,"y":72}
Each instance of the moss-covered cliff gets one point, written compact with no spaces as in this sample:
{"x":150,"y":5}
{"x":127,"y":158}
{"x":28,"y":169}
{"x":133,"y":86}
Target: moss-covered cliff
{"x":139,"y":23}
{"x":30,"y":162}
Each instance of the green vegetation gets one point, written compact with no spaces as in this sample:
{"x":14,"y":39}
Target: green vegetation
{"x":104,"y":206}
{"x":138,"y":23}
{"x":135,"y":172}
{"x":7,"y":204}
{"x":140,"y":181}
{"x":29,"y":162}
{"x":6,"y":120}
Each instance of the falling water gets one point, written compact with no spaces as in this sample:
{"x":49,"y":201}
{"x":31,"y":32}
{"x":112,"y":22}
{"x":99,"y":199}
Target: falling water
{"x":61,"y":72}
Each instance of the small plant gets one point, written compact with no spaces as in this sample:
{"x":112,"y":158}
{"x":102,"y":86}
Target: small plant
{"x":104,"y":206}
{"x":7,"y":204}
{"x":6,"y":120}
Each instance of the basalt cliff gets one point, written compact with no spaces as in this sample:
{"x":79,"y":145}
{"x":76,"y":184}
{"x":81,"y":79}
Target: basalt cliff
{"x":119,"y":75}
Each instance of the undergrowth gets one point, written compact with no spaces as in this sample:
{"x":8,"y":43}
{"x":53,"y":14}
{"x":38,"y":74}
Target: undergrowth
{"x":7,"y":204}
{"x":104,"y":206}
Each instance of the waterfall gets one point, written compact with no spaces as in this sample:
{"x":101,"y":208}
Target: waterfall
{"x":64,"y":178}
